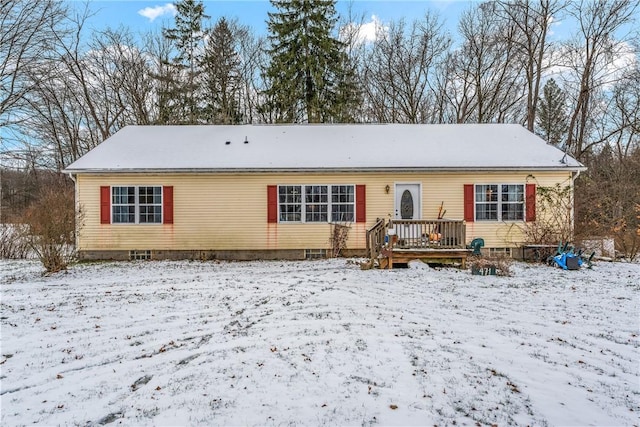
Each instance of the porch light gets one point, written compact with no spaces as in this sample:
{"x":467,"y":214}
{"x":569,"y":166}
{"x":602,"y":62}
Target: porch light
{"x":387,"y":188}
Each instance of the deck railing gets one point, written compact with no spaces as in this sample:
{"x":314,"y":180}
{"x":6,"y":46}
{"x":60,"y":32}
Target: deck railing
{"x":375,"y":239}
{"x":434,"y":233}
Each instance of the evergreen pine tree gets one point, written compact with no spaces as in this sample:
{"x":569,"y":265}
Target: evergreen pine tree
{"x":308,"y":76}
{"x":347,"y":98}
{"x":187,"y":37}
{"x":221,"y":75}
{"x":552,"y":114}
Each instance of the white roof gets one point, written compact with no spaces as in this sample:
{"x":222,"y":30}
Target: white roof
{"x":323,"y":148}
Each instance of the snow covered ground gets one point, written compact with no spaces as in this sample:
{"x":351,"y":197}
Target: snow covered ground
{"x":318,"y":343}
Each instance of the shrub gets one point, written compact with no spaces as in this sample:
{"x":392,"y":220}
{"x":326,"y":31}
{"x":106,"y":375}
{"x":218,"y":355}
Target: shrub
{"x":13,"y":244}
{"x":554,"y":222}
{"x":628,"y":236}
{"x":502,"y":264}
{"x":51,"y":222}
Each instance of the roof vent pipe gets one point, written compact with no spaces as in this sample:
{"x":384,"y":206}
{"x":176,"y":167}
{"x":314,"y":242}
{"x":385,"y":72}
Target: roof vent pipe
{"x":246,"y":141}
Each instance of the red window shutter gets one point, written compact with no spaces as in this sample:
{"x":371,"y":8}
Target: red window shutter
{"x":167,"y":205}
{"x":530,"y":202}
{"x":105,"y":205}
{"x":272,"y":203}
{"x":361,"y":203}
{"x":469,"y":207}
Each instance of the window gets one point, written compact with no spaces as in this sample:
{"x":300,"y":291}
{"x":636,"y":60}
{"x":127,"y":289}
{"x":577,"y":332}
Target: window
{"x":342,"y":203}
{"x":290,"y":201}
{"x":499,"y":202}
{"x":136,"y":205}
{"x":123,"y":204}
{"x":150,"y":200}
{"x":316,"y":203}
{"x":315,"y":253}
{"x":139,"y":255}
{"x":512,"y":202}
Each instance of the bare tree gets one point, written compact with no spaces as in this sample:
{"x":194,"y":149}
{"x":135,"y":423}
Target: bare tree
{"x":619,"y":125}
{"x":399,"y":68}
{"x":253,"y":62}
{"x":83,"y":73}
{"x":164,"y":75}
{"x":55,"y":115}
{"x":27,"y":30}
{"x":85,"y":91}
{"x":609,"y":191}
{"x":484,"y":81}
{"x":532,"y":19}
{"x":127,"y":72}
{"x":592,"y":53}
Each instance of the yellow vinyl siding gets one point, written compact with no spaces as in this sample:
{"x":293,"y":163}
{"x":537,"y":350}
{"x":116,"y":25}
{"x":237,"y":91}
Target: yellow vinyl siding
{"x":504,"y":234}
{"x":229,"y":211}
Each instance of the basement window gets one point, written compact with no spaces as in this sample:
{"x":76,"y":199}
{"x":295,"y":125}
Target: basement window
{"x":137,"y":255}
{"x":501,"y":252}
{"x":315,"y":253}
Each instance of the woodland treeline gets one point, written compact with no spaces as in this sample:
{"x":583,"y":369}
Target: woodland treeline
{"x":64,"y":88}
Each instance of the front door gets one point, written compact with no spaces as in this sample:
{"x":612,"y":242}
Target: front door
{"x":408,"y":204}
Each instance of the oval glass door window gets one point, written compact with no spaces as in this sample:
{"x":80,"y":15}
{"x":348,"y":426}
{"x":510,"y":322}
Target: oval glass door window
{"x":406,"y":205}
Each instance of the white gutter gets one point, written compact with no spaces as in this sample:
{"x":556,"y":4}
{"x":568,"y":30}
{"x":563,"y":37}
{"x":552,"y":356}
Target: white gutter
{"x":76,"y":209}
{"x":575,"y":169}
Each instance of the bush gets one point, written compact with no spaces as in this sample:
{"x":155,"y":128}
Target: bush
{"x":628,"y":236}
{"x":51,"y":222}
{"x":554,"y":221}
{"x":13,"y":244}
{"x":502,"y":264}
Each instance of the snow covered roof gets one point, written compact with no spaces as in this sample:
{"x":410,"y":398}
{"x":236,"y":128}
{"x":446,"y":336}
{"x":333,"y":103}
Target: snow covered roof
{"x":323,"y":148}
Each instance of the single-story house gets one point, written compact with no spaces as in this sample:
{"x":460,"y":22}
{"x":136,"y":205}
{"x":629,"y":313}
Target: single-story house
{"x":276,"y":191}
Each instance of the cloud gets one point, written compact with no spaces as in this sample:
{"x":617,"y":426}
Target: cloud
{"x":552,"y":24}
{"x":625,"y":58}
{"x":608,"y":69}
{"x":365,"y":33}
{"x":152,"y":13}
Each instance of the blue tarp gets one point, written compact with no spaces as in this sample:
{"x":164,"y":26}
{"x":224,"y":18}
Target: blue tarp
{"x":568,"y":261}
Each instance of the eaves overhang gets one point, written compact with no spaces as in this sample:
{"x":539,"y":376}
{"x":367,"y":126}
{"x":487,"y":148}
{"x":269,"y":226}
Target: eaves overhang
{"x":291,"y":170}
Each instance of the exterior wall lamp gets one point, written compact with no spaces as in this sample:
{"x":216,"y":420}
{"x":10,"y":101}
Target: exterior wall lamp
{"x":387,"y":188}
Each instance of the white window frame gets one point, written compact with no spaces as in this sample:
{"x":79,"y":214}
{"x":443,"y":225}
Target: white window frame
{"x":499,"y":203}
{"x":137,"y":205}
{"x":521,"y":203}
{"x":333,"y":203}
{"x":304,"y":205}
{"x":113,"y":204}
{"x":322,"y":203}
{"x":290,"y":203}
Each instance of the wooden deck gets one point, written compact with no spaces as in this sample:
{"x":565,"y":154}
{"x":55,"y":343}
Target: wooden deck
{"x":457,"y":257}
{"x":400,"y":241}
